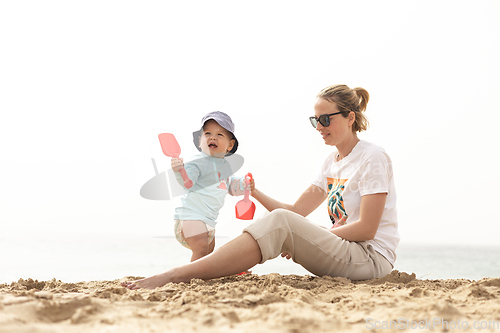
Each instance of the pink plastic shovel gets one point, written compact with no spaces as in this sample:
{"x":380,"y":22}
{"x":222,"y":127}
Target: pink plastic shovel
{"x":171,"y":148}
{"x":245,"y":209}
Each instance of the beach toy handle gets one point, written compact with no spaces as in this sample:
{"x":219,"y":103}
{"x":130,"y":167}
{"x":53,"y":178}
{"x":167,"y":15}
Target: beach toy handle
{"x":188,"y":183}
{"x":248,"y":178}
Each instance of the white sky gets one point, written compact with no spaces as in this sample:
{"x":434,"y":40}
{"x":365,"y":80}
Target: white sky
{"x":85,"y":87}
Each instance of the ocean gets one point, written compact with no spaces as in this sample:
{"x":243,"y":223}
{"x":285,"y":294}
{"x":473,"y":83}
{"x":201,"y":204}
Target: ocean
{"x":91,"y":257}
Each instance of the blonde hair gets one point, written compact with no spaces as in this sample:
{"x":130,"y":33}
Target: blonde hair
{"x":348,"y":100}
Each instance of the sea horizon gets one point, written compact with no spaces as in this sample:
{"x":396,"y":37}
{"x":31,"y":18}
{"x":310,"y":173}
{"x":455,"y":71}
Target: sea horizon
{"x":86,"y":257}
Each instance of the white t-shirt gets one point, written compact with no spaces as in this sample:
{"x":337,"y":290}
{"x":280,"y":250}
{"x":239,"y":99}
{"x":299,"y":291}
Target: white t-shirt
{"x":366,"y":170}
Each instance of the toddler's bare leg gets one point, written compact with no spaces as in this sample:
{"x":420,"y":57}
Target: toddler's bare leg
{"x":211,"y":246}
{"x":199,"y":245}
{"x":195,"y":234}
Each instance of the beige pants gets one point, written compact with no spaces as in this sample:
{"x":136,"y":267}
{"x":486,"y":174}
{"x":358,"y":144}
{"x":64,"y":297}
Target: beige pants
{"x":315,"y":247}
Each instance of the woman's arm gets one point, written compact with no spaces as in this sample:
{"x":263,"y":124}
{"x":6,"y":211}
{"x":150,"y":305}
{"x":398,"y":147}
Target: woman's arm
{"x":306,"y":204}
{"x":371,"y":209}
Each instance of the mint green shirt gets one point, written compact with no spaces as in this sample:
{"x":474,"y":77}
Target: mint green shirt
{"x":212,"y":179}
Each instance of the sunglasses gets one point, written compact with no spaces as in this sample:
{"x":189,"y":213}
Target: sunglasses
{"x":324,"y":119}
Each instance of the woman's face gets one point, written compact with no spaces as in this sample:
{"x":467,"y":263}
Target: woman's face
{"x":339,"y":129}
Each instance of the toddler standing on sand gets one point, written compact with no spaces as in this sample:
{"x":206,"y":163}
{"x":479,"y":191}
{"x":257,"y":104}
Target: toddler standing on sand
{"x":195,"y":218}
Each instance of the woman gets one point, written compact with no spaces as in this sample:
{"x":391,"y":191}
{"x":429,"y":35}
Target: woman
{"x":357,"y":181}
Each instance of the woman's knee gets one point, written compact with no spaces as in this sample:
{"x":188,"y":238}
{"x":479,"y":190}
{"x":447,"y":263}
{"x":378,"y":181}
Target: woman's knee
{"x":284,"y":217}
{"x":272,"y":219}
{"x":280,"y":215}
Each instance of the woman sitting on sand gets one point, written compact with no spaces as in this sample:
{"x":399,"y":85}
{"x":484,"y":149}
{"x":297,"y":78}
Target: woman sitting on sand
{"x":357,"y":181}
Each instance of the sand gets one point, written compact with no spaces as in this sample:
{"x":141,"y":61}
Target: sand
{"x":253,"y":303}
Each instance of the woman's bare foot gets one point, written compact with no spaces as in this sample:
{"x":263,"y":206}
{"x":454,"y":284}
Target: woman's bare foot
{"x":152,"y":282}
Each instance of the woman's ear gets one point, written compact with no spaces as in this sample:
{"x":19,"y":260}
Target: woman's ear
{"x":352,"y":118}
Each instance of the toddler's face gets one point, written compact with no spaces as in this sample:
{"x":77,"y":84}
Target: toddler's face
{"x":215,"y":140}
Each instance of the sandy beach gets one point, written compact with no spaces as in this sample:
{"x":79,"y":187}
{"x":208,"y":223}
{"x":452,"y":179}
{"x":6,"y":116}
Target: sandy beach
{"x":253,"y":303}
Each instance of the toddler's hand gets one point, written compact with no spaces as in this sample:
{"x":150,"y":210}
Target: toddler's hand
{"x":177,"y":164}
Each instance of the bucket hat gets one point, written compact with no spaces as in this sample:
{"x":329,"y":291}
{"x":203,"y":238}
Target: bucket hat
{"x":223,"y":120}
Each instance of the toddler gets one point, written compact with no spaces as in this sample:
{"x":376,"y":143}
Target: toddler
{"x":195,"y":218}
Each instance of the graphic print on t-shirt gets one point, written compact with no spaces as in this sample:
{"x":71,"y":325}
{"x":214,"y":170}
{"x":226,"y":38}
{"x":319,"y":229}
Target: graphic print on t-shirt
{"x":335,"y":202}
{"x":222,"y":184}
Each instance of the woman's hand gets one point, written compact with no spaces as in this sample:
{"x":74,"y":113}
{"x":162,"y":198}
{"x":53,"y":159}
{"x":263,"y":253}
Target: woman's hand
{"x":177,"y":164}
{"x":286,"y":255}
{"x":252,"y":185}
